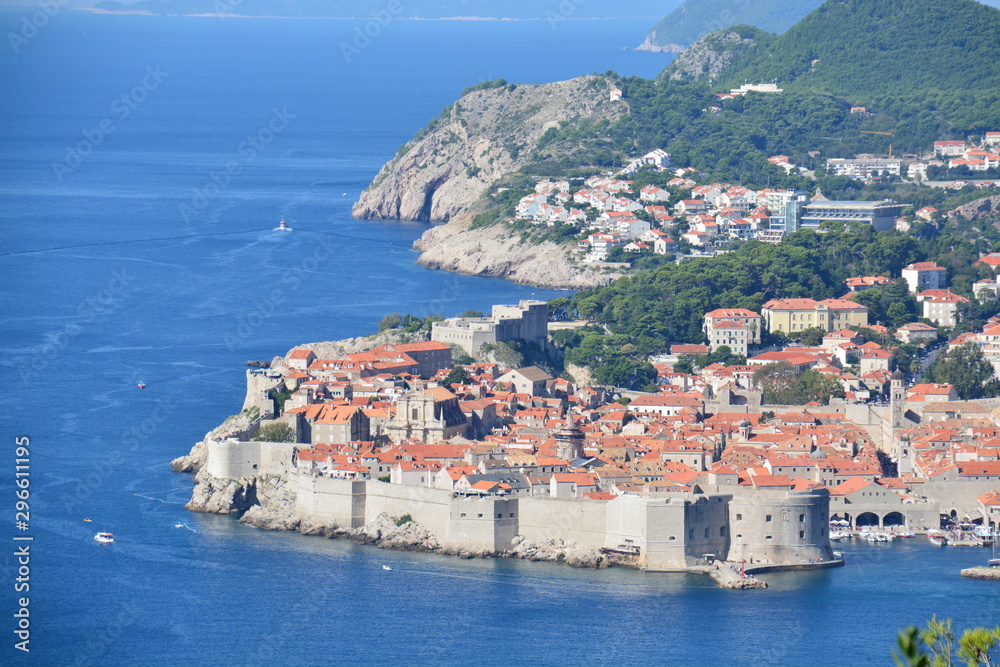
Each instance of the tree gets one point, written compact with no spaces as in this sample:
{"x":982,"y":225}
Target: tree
{"x":775,"y":379}
{"x":967,"y":369}
{"x":783,"y":384}
{"x":685,"y":364}
{"x":565,"y":338}
{"x":812,"y":336}
{"x":934,"y":646}
{"x":275,"y":432}
{"x":390,"y":321}
{"x":457,"y":375}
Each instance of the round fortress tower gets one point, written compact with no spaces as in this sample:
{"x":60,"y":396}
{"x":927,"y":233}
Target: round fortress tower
{"x":780,"y":526}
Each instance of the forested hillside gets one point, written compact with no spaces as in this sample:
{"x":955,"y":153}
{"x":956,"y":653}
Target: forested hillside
{"x":693,"y":19}
{"x":863,"y":48}
{"x":733,"y":141}
{"x":647,"y":313}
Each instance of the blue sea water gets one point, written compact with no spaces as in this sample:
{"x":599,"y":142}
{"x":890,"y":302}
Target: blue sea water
{"x":140,"y":261}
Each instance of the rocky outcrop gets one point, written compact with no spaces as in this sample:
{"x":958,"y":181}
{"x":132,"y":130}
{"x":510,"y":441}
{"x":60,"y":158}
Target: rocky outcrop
{"x":557,"y":551}
{"x":727,"y":577}
{"x":710,"y":56}
{"x":985,"y":208}
{"x":275,"y":508}
{"x":495,"y":252}
{"x":193,"y":460}
{"x":238,"y":425}
{"x":484,"y":136}
{"x":982,"y":573}
{"x":337,"y":349}
{"x":383,"y":532}
{"x":649,"y":44}
{"x":222,"y":496}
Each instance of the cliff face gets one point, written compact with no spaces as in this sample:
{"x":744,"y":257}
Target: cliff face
{"x":651,"y":43}
{"x":987,"y":208}
{"x":712,"y":54}
{"x":489,"y":252}
{"x":483,"y":137}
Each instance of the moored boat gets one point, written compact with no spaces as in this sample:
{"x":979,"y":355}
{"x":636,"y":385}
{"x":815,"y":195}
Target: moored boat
{"x":937,"y":539}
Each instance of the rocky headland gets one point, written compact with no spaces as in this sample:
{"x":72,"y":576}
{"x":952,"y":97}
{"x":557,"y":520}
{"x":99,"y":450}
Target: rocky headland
{"x":496,"y":252}
{"x":710,"y":56}
{"x":445,"y":171}
{"x":649,"y":44}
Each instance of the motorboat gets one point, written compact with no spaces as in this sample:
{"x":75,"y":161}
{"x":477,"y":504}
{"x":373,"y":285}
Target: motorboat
{"x":387,"y":568}
{"x":937,"y":539}
{"x":104,"y":538}
{"x":282,"y":227}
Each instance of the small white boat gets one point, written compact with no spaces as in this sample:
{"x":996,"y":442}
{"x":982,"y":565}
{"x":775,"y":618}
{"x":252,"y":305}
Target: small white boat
{"x":386,"y":567}
{"x":104,"y":538}
{"x":906,"y":533}
{"x":937,"y":539}
{"x":282,"y":227}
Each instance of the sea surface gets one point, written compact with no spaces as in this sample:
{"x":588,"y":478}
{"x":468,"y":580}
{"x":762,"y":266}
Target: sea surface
{"x":144,"y":163}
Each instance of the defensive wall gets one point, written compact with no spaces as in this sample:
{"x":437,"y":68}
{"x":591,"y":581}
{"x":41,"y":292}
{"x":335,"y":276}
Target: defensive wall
{"x":669,"y":531}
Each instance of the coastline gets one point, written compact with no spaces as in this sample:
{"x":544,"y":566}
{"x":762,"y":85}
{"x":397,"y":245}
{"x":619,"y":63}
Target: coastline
{"x":491,"y":252}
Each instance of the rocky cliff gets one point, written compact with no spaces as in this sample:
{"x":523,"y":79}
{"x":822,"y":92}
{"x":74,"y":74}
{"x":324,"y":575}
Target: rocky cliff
{"x":493,"y":251}
{"x":712,"y":54}
{"x":986,"y":208}
{"x":239,"y":426}
{"x":651,"y":44}
{"x":484,"y":136}
{"x":487,"y":135}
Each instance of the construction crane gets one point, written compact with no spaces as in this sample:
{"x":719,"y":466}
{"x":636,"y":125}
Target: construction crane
{"x":888,"y":134}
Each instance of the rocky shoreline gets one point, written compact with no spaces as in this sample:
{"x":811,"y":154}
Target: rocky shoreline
{"x":267,"y":503}
{"x":991,"y":573}
{"x":491,"y":252}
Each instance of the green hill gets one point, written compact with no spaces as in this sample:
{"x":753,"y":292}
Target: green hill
{"x":696,"y":18}
{"x":877,"y":47}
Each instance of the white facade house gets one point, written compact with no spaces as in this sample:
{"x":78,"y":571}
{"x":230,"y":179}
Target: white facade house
{"x":738,"y":328}
{"x":925,"y":276}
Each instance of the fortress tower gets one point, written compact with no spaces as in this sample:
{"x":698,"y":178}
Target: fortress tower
{"x":569,"y":440}
{"x":897,"y":399}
